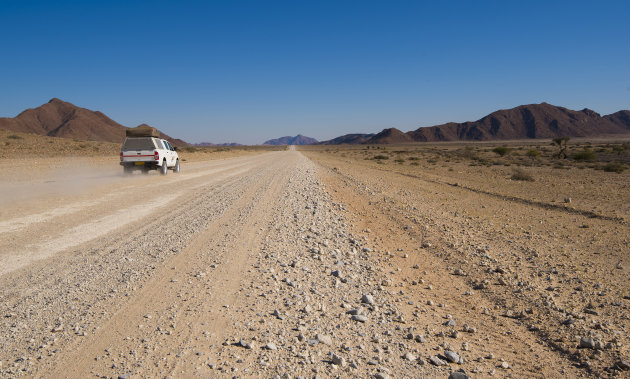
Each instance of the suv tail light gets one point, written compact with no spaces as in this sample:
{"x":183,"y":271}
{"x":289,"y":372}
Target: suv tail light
{"x":121,"y":156}
{"x":156,"y":156}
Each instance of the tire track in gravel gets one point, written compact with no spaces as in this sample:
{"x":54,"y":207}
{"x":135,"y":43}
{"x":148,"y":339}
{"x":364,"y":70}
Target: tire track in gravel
{"x":173,"y":306}
{"x":437,"y":258}
{"x":79,"y":288}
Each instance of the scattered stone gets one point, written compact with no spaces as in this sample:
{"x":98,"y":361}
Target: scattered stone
{"x":622,"y":365}
{"x":360,"y":318}
{"x":459,"y":272}
{"x":453,"y":357}
{"x":420,"y":338}
{"x":409,"y":357}
{"x":590,"y":343}
{"x":458,"y":375}
{"x":367,"y":299}
{"x":437,"y":361}
{"x":245,"y":344}
{"x":356,"y":311}
{"x":271,"y":346}
{"x":322,"y":338}
{"x":337,"y":360}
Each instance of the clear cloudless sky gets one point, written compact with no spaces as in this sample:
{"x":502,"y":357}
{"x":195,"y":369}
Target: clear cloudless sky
{"x":247,"y":71}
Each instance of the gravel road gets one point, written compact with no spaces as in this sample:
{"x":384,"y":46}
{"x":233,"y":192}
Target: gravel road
{"x":244,"y":267}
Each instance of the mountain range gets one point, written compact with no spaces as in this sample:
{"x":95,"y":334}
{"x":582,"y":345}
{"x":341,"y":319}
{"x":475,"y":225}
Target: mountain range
{"x":522,"y":122}
{"x":58,"y":118}
{"x":288,"y":140}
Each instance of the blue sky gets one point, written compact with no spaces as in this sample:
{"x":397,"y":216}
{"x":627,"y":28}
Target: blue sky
{"x":247,"y":71}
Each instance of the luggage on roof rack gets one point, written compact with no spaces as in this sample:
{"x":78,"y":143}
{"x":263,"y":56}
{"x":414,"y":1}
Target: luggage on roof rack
{"x":142,"y":131}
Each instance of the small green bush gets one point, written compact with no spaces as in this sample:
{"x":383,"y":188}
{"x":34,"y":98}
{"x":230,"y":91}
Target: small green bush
{"x":533,"y":153}
{"x":585,"y":155}
{"x":380,"y":157}
{"x":502,"y":150}
{"x":614,"y":167}
{"x":14,"y":136}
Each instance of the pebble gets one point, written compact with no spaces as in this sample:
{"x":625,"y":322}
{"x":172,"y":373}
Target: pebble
{"x":409,"y":357}
{"x":437,"y":361}
{"x":590,"y":343}
{"x":458,"y":375}
{"x":453,"y":357}
{"x":367,"y":299}
{"x":360,"y":318}
{"x":322,"y":338}
{"x":337,"y":360}
{"x":271,"y":346}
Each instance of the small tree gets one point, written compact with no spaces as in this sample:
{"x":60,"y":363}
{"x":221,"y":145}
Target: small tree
{"x":561,"y":142}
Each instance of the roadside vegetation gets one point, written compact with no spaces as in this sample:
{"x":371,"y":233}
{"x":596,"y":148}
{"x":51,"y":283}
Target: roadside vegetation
{"x":559,"y":154}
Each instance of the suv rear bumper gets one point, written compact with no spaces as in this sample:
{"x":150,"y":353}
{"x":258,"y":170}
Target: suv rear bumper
{"x":142,"y":164}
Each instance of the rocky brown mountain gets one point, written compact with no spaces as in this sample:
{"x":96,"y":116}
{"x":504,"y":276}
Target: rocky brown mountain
{"x":523,"y":122}
{"x":59,"y":118}
{"x":529,"y":121}
{"x":390,"y":135}
{"x":349,"y":139}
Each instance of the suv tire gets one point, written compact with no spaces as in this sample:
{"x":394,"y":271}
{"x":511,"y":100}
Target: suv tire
{"x":164,"y":168}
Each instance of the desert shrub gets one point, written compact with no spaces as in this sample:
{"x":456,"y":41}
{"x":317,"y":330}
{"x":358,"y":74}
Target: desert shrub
{"x":380,"y":157}
{"x":520,"y":174}
{"x":618,"y":149}
{"x":501,"y":150}
{"x":14,"y":136}
{"x":413,"y":158}
{"x":614,"y":167}
{"x":533,"y":153}
{"x":399,"y":160}
{"x":414,"y":164}
{"x":585,"y":155}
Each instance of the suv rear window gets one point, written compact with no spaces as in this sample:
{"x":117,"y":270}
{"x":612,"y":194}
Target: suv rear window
{"x":140,"y":143}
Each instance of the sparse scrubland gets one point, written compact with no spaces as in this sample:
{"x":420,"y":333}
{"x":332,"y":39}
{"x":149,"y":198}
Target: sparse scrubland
{"x":537,"y":242}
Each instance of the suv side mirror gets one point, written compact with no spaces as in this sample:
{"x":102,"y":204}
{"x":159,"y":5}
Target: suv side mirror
{"x":174,"y":148}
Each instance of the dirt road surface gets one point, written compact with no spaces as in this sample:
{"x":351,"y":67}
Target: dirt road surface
{"x":259,"y":266}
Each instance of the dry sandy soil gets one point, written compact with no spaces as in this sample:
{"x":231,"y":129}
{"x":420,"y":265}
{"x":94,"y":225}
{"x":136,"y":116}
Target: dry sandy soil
{"x":313,"y":263}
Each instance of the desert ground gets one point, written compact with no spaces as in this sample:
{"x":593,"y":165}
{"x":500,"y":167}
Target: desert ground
{"x":361,"y":261}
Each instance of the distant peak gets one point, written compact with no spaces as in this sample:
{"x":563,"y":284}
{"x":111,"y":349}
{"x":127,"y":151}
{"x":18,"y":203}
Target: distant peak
{"x":54,"y":100}
{"x":590,"y":112}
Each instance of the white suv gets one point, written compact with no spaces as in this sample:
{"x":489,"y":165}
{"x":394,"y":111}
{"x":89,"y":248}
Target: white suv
{"x":148,"y":153}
